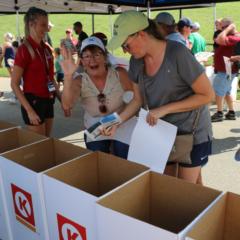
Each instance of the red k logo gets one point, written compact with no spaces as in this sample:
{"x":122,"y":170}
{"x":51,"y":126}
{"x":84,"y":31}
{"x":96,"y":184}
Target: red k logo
{"x":23,"y":207}
{"x":69,"y":230}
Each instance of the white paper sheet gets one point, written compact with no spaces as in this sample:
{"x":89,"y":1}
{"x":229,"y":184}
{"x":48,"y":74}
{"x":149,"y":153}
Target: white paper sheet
{"x":151,"y":146}
{"x":228,"y":67}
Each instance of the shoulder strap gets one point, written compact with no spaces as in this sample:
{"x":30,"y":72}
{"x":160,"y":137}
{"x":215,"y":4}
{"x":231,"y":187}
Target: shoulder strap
{"x":29,"y":47}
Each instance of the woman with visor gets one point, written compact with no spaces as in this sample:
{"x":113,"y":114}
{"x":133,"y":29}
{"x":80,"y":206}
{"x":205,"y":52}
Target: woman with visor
{"x":100,"y":88}
{"x":174,"y":85}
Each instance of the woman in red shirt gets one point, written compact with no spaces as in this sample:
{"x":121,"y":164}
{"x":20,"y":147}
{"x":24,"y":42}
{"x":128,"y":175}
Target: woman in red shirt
{"x":34,"y":64}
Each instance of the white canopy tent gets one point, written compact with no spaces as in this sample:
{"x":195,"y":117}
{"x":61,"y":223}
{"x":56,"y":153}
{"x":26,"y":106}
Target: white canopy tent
{"x":76,"y":6}
{"x":83,"y":7}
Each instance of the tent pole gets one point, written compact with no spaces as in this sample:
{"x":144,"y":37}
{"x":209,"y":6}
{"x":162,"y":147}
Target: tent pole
{"x":214,"y":15}
{"x":17,"y":26}
{"x":180,"y":13}
{"x":111,"y":25}
{"x":148,"y":9}
{"x":93,"y":24}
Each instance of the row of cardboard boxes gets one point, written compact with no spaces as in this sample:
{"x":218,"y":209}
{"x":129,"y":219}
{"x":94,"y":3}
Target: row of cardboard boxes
{"x":50,"y":190}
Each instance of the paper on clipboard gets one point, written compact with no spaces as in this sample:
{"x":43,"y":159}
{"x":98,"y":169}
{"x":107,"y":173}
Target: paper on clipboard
{"x":151,"y":146}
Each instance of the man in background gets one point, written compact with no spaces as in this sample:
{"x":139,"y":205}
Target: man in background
{"x":197,"y":41}
{"x":78,"y":28}
{"x":222,"y":82}
{"x":167,"y":27}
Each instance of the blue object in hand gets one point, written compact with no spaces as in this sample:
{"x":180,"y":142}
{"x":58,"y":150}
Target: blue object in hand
{"x":237,"y":155}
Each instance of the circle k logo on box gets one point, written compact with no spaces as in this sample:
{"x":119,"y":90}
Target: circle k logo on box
{"x":23,"y":207}
{"x":70,"y":230}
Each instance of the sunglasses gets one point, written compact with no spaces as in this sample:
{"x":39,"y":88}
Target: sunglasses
{"x":125,"y":45}
{"x":102,"y":102}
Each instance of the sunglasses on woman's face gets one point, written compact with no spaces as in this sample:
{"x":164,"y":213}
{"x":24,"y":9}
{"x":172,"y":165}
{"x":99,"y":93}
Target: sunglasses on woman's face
{"x":102,"y":102}
{"x":125,"y":46}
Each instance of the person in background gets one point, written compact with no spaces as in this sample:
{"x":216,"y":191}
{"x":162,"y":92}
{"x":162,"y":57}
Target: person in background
{"x":100,"y":88}
{"x":185,"y":28}
{"x":34,"y":64}
{"x":222,"y":82}
{"x":58,"y":69}
{"x":69,"y":35}
{"x":78,"y":29}
{"x":175,"y":90}
{"x":197,"y":41}
{"x":218,"y":29}
{"x":8,"y":53}
{"x":1,"y":56}
{"x":47,"y":38}
{"x":168,"y":27}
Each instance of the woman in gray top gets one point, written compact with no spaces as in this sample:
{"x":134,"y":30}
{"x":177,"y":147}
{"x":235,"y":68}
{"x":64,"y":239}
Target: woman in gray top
{"x":174,"y":83}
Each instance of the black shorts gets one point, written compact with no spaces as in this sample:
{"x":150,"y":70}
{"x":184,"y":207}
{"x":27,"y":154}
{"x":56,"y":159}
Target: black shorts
{"x":60,"y":77}
{"x":42,"y":106}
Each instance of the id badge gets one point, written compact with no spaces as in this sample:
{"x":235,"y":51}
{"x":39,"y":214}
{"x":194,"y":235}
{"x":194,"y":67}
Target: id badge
{"x":51,"y":87}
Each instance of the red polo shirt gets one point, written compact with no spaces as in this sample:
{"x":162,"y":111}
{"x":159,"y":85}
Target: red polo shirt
{"x":35,"y":76}
{"x":228,"y":51}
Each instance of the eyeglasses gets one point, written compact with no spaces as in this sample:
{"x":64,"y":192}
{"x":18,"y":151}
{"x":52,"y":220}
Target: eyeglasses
{"x":95,"y":56}
{"x":102,"y":102}
{"x":125,"y":45}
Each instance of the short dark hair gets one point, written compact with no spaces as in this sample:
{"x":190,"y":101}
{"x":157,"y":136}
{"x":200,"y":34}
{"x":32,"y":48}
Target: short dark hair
{"x":77,"y":24}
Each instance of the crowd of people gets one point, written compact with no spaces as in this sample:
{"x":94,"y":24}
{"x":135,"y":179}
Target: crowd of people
{"x":156,"y":78}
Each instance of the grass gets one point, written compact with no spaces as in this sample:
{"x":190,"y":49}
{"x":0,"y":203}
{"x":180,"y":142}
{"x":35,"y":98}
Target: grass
{"x":102,"y":23}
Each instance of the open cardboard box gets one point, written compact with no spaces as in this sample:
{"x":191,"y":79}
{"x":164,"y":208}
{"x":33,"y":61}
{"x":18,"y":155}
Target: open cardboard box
{"x":72,"y":189}
{"x":16,"y":137}
{"x":21,"y":177}
{"x":12,"y":137}
{"x":5,"y":125}
{"x":152,"y":206}
{"x":221,"y":222}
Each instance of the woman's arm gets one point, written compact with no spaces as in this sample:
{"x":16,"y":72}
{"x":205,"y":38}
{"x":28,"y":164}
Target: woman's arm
{"x":129,"y":111}
{"x":15,"y":85}
{"x":203,"y":94}
{"x":126,"y":83}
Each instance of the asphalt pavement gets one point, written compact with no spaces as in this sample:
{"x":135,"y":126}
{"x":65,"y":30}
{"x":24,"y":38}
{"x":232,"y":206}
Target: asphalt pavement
{"x":222,"y":171}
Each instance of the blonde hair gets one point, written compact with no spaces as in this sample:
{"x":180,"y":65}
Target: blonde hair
{"x":8,"y":37}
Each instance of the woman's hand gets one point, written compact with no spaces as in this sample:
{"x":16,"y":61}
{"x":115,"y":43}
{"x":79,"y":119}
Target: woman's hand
{"x":155,"y":114}
{"x":109,"y":131}
{"x":34,"y":118}
{"x":67,"y":111}
{"x":67,"y":64}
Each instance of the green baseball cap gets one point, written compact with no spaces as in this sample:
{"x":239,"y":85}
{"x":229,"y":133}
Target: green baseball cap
{"x":127,"y":23}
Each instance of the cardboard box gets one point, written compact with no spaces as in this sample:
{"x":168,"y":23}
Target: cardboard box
{"x":221,"y":222}
{"x":5,"y":125}
{"x":153,"y":206}
{"x":16,"y":137}
{"x":12,"y":138}
{"x":21,"y":176}
{"x":5,"y":232}
{"x":72,"y":189}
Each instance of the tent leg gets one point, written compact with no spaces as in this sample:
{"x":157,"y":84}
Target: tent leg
{"x":93,"y":24}
{"x":17,"y":26}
